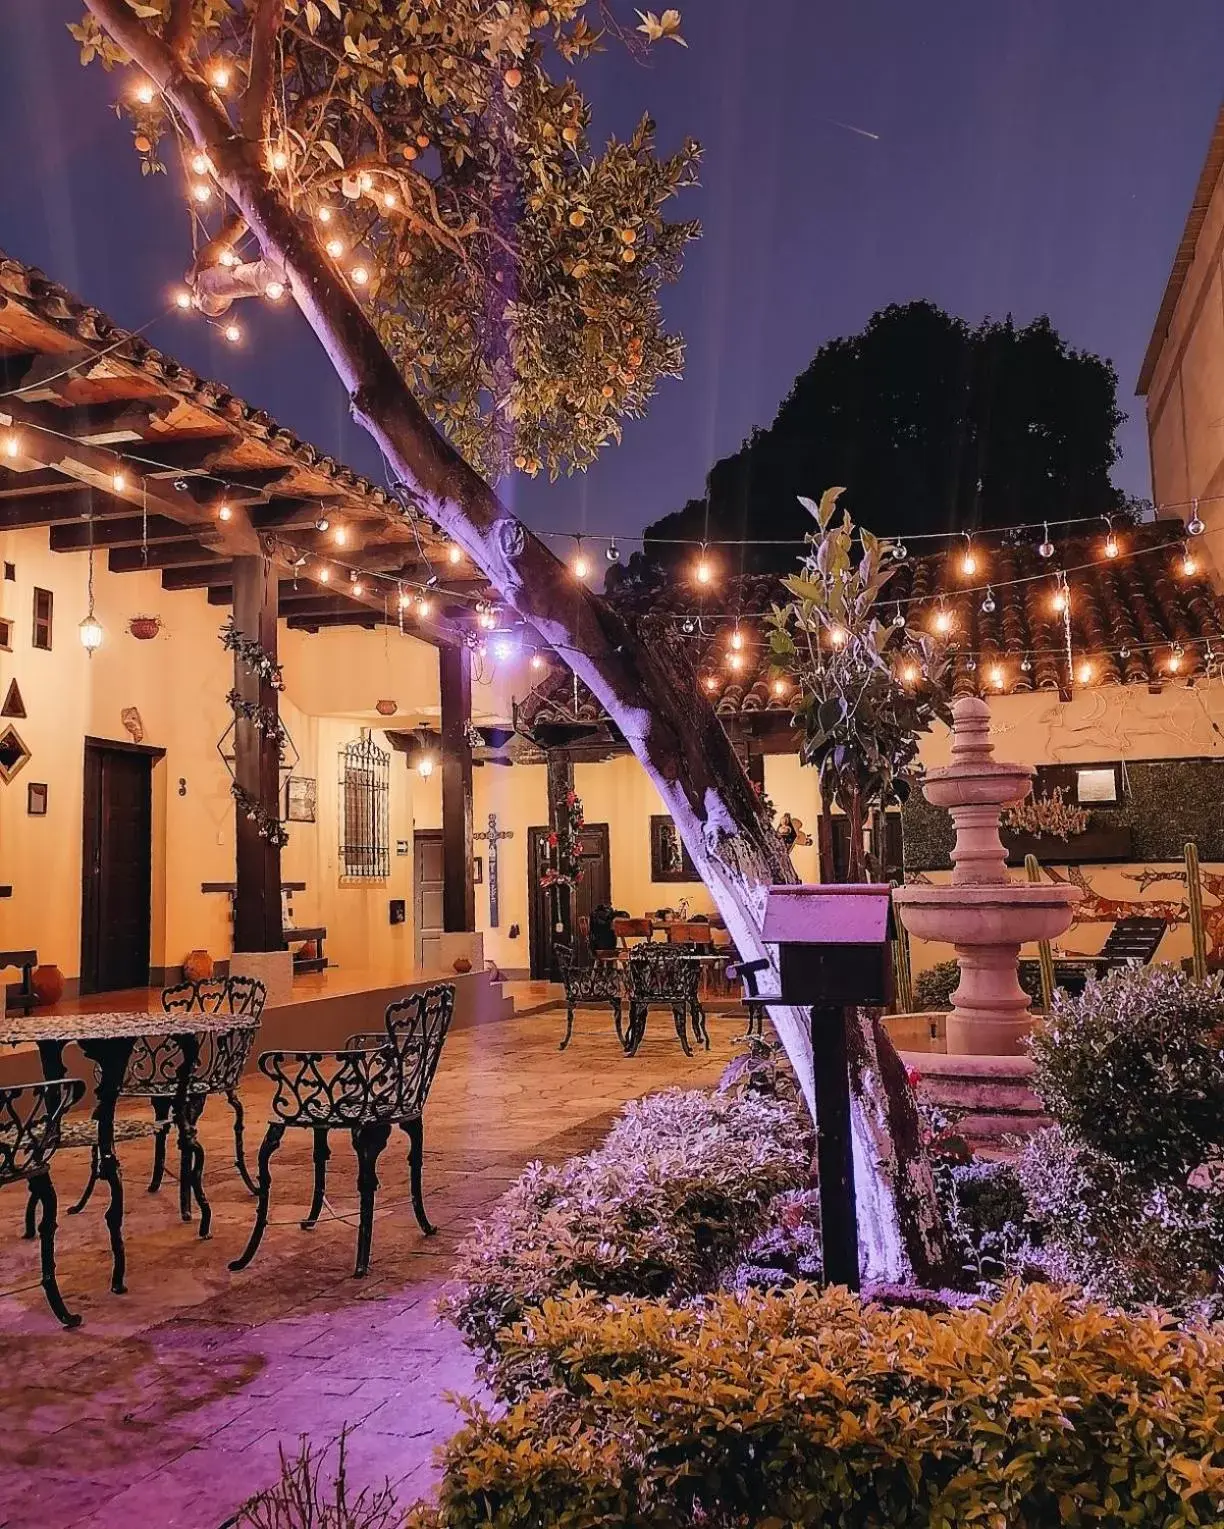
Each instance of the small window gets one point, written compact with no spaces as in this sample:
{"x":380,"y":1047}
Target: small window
{"x":10,"y":573}
{"x":44,"y":603}
{"x":6,"y":635}
{"x":365,"y":837}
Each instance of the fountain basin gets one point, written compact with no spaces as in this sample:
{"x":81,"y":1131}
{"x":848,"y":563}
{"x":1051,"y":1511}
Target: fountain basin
{"x":1013,"y":914}
{"x":983,"y":785}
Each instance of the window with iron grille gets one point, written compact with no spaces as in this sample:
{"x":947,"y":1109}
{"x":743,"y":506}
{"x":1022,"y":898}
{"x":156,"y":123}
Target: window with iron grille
{"x":365,"y":842}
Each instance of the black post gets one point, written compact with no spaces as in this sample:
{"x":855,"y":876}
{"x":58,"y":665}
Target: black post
{"x":834,"y":1146}
{"x":458,"y":883}
{"x":257,"y":900}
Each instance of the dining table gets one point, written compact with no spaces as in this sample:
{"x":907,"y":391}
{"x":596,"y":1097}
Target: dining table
{"x":107,"y":1039}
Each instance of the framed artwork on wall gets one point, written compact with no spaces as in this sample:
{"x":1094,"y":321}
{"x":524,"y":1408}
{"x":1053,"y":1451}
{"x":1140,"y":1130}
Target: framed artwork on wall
{"x":36,"y":799}
{"x":301,"y":794}
{"x":669,"y":860}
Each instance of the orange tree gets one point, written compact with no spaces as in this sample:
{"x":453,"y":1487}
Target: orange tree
{"x":419,"y":178}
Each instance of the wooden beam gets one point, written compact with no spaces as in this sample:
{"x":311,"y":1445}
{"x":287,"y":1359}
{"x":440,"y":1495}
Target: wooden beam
{"x":458,"y":883}
{"x":130,"y":532}
{"x":37,"y":483}
{"x":49,"y":510}
{"x":359,"y":617}
{"x":257,"y":900}
{"x":98,"y":421}
{"x":187,"y":453}
{"x":163,"y":555}
{"x":201,"y":575}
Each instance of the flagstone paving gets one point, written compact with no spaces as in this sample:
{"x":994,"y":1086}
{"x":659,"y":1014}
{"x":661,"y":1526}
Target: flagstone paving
{"x":171,"y":1404}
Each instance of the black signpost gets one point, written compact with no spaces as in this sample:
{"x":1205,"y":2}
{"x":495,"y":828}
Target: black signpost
{"x":834,"y":956}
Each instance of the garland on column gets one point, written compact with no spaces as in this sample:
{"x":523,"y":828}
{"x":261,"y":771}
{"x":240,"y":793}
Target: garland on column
{"x":256,"y":659}
{"x":565,"y":845}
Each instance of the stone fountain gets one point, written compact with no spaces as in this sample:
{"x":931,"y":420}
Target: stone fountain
{"x":984,"y":914}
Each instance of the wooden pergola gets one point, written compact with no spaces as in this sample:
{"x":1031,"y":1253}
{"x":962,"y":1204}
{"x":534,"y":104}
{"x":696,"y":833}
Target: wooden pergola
{"x":112,"y":445}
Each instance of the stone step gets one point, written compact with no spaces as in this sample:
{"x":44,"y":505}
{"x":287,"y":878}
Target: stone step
{"x":992,"y":1097}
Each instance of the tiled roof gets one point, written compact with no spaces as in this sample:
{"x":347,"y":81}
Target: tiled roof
{"x":1138,"y":603}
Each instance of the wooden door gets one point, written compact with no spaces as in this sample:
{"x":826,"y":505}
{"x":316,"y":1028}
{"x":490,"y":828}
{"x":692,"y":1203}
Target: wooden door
{"x":546,"y":903}
{"x":428,"y":882}
{"x":116,"y":886}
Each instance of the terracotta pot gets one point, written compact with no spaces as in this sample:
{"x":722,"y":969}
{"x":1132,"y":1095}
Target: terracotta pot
{"x":144,"y":627}
{"x":462,"y":964}
{"x":386,"y":708}
{"x":309,"y":950}
{"x":198,"y":966}
{"x":47,"y":983}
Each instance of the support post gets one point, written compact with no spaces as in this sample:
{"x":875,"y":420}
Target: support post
{"x":458,"y":884}
{"x":257,"y":901}
{"x":560,"y":768}
{"x":834,"y":1145}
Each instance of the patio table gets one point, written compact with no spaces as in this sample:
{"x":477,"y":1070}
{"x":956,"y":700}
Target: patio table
{"x":107,"y":1040}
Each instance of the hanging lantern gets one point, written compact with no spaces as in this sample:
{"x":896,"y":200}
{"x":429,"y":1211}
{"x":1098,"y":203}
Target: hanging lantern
{"x":425,"y":766}
{"x":91,"y":634}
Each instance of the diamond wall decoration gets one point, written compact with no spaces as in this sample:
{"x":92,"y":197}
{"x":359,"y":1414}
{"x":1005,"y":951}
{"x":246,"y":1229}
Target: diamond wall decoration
{"x":13,"y":754}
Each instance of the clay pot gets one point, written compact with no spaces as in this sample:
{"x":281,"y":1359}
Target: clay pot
{"x":462,"y":964}
{"x":198,"y":966}
{"x":144,"y":627}
{"x":47,"y":984}
{"x":386,"y":708}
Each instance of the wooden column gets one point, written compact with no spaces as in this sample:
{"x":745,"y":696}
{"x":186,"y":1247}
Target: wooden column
{"x":560,"y":769}
{"x":458,"y":887}
{"x":257,"y":902}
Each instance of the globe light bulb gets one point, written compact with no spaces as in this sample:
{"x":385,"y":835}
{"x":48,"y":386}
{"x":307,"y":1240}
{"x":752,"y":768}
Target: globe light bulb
{"x":737,"y":639}
{"x":943,"y":621}
{"x":909,"y":674}
{"x":340,"y":536}
{"x":324,"y":575}
{"x":219,"y":76}
{"x":200,"y":192}
{"x":1111,"y":546}
{"x":837,"y":636}
{"x":612,"y":552}
{"x":996,"y":676}
{"x":182,"y":298}
{"x":582,"y":566}
{"x":1085,"y":672}
{"x":200,"y":164}
{"x":335,"y":248}
{"x":1046,"y":547}
{"x":225,"y":513}
{"x":233,"y":334}
{"x":144,"y":92}
{"x":898,"y":617}
{"x":454,"y":554}
{"x":389,"y":199}
{"x":324,"y":214}
{"x":360,"y":276}
{"x":988,"y":604}
{"x":280,"y":160}
{"x":228,"y":259}
{"x":274,"y":291}
{"x":1196,"y":526}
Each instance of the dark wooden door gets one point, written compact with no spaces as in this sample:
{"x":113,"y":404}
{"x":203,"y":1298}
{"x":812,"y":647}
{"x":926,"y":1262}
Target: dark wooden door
{"x":428,"y":884}
{"x":548,"y":904}
{"x":117,"y":869}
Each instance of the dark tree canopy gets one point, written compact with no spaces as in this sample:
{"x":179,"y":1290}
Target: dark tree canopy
{"x":930,"y":423}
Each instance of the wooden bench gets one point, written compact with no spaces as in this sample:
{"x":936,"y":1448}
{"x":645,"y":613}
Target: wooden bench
{"x":315,"y":963}
{"x":25,"y":961}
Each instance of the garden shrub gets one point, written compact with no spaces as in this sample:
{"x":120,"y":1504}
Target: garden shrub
{"x":783,"y":1410}
{"x":934,"y":987}
{"x":662,"y":1207}
{"x":1134,"y":1067}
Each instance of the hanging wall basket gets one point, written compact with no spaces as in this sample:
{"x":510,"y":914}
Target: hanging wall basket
{"x":386,"y":708}
{"x":145,"y":628}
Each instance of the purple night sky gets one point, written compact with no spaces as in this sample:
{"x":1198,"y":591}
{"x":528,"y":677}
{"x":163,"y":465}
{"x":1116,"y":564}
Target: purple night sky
{"x":1032,"y":156}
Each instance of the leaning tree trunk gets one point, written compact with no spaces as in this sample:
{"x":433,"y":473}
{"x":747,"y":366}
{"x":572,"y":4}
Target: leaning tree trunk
{"x":647,"y":687}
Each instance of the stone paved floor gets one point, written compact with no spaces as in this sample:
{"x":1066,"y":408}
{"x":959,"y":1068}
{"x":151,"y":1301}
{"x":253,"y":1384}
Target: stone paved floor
{"x":169,"y":1406}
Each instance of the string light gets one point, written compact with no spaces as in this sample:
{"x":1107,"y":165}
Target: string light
{"x":358,"y":588}
{"x":837,"y":636}
{"x":219,"y":76}
{"x":225,"y":513}
{"x":340,"y":536}
{"x":274,"y":291}
{"x":582,"y":563}
{"x":335,"y":248}
{"x":969,"y":562}
{"x":1175,"y":659}
{"x":737,"y":640}
{"x":1196,"y":526}
{"x":454,"y":554}
{"x":909,"y":674}
{"x":537,"y":660}
{"x":389,"y":199}
{"x":1059,"y":599}
{"x":1046,"y":549}
{"x":997,"y":677}
{"x":779,"y":687}
{"x":703,"y":572}
{"x":12,"y":444}
{"x":1189,"y":563}
{"x":424,"y":605}
{"x":710,"y":682}
{"x":898,"y":616}
{"x":182,"y":298}
{"x":201,"y":192}
{"x":200,"y":164}
{"x":735,"y":661}
{"x":322,"y":524}
{"x":118,"y":482}
{"x":360,"y":275}
{"x":227,"y":258}
{"x":144,"y":92}
{"x":1085,"y":672}
{"x":324,"y":214}
{"x":943,"y":619}
{"x":612,"y":552}
{"x":280,"y":160}
{"x":988,"y":604}
{"x":324,"y":574}
{"x":233,"y":334}
{"x":1111,"y":542}
{"x":405,"y":599}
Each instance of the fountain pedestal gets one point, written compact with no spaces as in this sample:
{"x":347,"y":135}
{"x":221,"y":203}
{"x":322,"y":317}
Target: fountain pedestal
{"x":982,"y":913}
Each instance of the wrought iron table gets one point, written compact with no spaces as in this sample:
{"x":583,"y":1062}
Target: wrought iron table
{"x":107,"y":1040}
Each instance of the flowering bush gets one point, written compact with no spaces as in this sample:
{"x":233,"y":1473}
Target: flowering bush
{"x":662,"y":1207}
{"x":801,"y":1408}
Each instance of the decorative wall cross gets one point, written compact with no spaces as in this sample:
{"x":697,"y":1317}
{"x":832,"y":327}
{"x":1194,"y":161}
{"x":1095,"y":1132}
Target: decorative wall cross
{"x":493,"y":836}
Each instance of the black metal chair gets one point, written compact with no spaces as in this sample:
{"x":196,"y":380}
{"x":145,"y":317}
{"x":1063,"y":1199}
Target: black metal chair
{"x":589,"y":986}
{"x":31,"y":1119}
{"x":379,"y":1080}
{"x":663,"y":974}
{"x":153,"y":1073}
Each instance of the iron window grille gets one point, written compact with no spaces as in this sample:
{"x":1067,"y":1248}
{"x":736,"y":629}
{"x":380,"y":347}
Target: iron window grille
{"x":365,"y":835}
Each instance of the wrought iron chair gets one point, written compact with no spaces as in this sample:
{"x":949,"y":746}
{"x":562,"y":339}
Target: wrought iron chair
{"x":592,"y":985}
{"x":153,"y":1073}
{"x":379,"y":1080}
{"x":31,"y":1119}
{"x":662,"y":974}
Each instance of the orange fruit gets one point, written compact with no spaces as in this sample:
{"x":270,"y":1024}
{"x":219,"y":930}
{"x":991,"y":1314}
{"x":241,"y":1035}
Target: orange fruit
{"x":629,"y":235}
{"x":513,"y":78}
{"x":570,"y":134}
{"x":577,"y":219}
{"x":628,"y":256}
{"x":607,"y":390}
{"x":423,"y":140}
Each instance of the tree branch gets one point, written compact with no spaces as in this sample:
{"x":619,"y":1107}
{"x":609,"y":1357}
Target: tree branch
{"x":177,"y":33}
{"x":257,"y":102}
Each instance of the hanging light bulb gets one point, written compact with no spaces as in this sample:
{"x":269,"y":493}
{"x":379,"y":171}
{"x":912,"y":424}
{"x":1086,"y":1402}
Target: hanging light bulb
{"x":909,"y":674}
{"x":943,"y":620}
{"x":358,"y":588}
{"x":389,"y":199}
{"x":200,"y":164}
{"x":898,"y":617}
{"x":1059,"y":600}
{"x":280,"y":160}
{"x":1085,"y":672}
{"x":224,"y":512}
{"x":324,"y":214}
{"x":1196,"y":526}
{"x":997,"y":676}
{"x":582,"y":563}
{"x":340,"y":536}
{"x":118,"y":482}
{"x":12,"y":444}
{"x":274,"y":291}
{"x":735,"y":661}
{"x":837,"y":636}
{"x":1026,"y":663}
{"x":425,"y":766}
{"x":1124,"y":652}
{"x":899,"y":551}
{"x":201,"y":192}
{"x":710,"y":682}
{"x":779,"y":687}
{"x":1175,"y":658}
{"x":91,"y":633}
{"x":613,"y":552}
{"x":537,"y":660}
{"x":335,"y":248}
{"x":454,"y":554}
{"x":737,"y":640}
{"x":424,"y":605}
{"x":971,"y":664}
{"x":1046,"y":549}
{"x":1111,"y":542}
{"x":182,"y":298}
{"x":322,"y":523}
{"x":233,"y":334}
{"x":219,"y":76}
{"x":988,"y":604}
{"x":324,"y":574}
{"x":359,"y":275}
{"x":143,"y":92}
{"x":1189,"y":563}
{"x":688,"y":626}
{"x":969,"y":562}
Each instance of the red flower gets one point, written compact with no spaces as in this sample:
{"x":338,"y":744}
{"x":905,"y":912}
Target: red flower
{"x":552,"y":840}
{"x":913,"y":1077}
{"x":570,"y":798}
